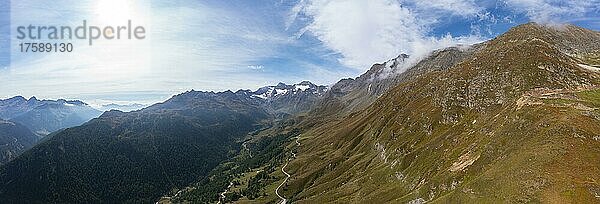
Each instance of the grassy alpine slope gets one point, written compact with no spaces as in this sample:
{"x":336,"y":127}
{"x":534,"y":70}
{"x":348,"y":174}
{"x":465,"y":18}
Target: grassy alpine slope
{"x":518,"y":121}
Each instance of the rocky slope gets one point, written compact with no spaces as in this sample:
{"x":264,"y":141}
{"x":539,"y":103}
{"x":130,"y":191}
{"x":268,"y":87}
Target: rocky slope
{"x":351,"y":95}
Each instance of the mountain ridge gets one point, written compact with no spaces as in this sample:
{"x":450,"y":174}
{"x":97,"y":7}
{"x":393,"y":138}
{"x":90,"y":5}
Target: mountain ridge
{"x":46,"y":116}
{"x":447,"y":135}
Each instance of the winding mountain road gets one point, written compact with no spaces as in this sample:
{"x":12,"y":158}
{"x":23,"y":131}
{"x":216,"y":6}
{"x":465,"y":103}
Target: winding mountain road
{"x":284,"y":200}
{"x":222,"y":195}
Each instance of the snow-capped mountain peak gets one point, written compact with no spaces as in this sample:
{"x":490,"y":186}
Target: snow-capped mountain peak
{"x":281,"y":90}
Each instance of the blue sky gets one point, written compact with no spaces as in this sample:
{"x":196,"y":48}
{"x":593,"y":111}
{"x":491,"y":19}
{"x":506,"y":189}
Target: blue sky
{"x":240,"y":44}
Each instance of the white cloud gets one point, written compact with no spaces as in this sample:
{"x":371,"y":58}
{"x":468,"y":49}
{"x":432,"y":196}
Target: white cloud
{"x":552,"y":11}
{"x":256,"y":67}
{"x":365,"y":32}
{"x":465,"y":8}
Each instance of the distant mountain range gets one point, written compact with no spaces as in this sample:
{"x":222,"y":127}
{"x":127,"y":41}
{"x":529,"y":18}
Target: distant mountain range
{"x":122,"y":107}
{"x":23,"y":122}
{"x":512,"y":120}
{"x":46,"y":116}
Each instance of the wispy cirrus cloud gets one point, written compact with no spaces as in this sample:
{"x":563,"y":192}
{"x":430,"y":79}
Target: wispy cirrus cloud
{"x":553,"y":11}
{"x":463,"y":8}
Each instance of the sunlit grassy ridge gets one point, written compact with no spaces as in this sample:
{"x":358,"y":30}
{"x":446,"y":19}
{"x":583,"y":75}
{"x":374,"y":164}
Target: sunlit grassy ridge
{"x":477,"y":132}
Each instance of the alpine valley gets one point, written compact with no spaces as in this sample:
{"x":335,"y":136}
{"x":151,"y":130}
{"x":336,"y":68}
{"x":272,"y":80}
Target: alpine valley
{"x":515,"y":119}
